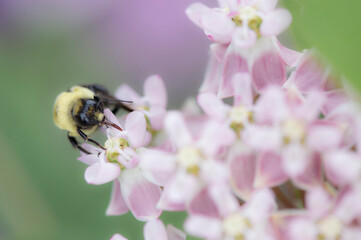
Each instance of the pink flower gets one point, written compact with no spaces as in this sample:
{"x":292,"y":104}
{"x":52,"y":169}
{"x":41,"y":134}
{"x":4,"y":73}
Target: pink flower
{"x":240,"y":22}
{"x":191,"y":163}
{"x":119,"y":163}
{"x":154,"y":102}
{"x":155,"y":230}
{"x":215,"y":214}
{"x":327,"y":217}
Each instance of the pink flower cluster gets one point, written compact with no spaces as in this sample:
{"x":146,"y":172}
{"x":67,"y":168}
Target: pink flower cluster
{"x":283,"y":161}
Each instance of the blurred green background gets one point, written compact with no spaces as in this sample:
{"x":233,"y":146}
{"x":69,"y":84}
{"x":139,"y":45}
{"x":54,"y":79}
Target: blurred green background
{"x":48,"y":46}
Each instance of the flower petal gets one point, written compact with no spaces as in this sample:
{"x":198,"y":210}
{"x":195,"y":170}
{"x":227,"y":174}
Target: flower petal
{"x":100,"y":173}
{"x":155,"y":91}
{"x":125,"y":92}
{"x":243,"y":93}
{"x":203,"y":204}
{"x":174,"y":233}
{"x":268,"y":70}
{"x":213,"y":106}
{"x":177,"y":129}
{"x":275,"y":22}
{"x":155,"y":230}
{"x":318,"y":202}
{"x":242,"y":174}
{"x":289,"y":56}
{"x":117,"y":205}
{"x":195,"y":12}
{"x":233,"y":63}
{"x":157,"y":166}
{"x":140,"y":195}
{"x":212,"y":76}
{"x":267,"y":5}
{"x":269,"y":170}
{"x":204,"y":227}
{"x":135,"y":126}
{"x":244,"y":38}
{"x":217,"y":26}
{"x":312,"y":174}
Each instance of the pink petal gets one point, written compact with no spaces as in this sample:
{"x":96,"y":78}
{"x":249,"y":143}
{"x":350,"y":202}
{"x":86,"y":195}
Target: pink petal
{"x":128,"y":158}
{"x":88,"y":159}
{"x":302,"y":229}
{"x":174,"y":233}
{"x":212,"y":77}
{"x":204,"y":227}
{"x":260,"y":205}
{"x":117,"y":205}
{"x":224,"y":199}
{"x":125,"y":92}
{"x":233,"y":63}
{"x":348,"y":208}
{"x":155,"y":230}
{"x":295,"y":159}
{"x":177,"y":129}
{"x":243,"y":93}
{"x":213,"y":106}
{"x":156,"y":117}
{"x":203,"y":204}
{"x":267,"y":5}
{"x":269,"y":170}
{"x":289,"y":56}
{"x":334,"y":99}
{"x":323,"y":136}
{"x":195,"y":12}
{"x":217,"y":26}
{"x":312,"y":175}
{"x":262,"y":138}
{"x":242,"y":174}
{"x":155,"y":91}
{"x":100,"y":173}
{"x":135,"y":126}
{"x":140,"y":195}
{"x":244,"y":38}
{"x":110,"y":116}
{"x":157,"y":166}
{"x":318,"y":202}
{"x":268,"y":70}
{"x":117,"y":236}
{"x":177,"y":192}
{"x":275,"y":22}
{"x":342,"y":167}
{"x":309,"y":74}
{"x":219,"y":50}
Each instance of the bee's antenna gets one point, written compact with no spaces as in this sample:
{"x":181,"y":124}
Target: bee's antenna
{"x":109,"y":123}
{"x":116,"y":100}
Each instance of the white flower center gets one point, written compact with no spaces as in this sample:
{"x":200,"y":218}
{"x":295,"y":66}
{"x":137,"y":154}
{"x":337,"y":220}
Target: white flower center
{"x":248,"y":13}
{"x":240,"y":114}
{"x":293,"y":130}
{"x":330,"y":228}
{"x":114,"y":146}
{"x":236,"y":225}
{"x":190,"y":158}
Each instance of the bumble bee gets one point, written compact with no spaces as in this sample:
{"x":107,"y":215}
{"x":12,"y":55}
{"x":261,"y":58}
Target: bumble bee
{"x":80,"y":111}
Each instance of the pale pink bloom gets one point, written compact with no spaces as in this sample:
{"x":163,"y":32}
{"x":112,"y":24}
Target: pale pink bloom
{"x":298,"y":135}
{"x":155,"y":230}
{"x":154,"y":102}
{"x":240,"y":22}
{"x":191,"y":163}
{"x":119,"y":163}
{"x":250,"y":171}
{"x":266,"y":63}
{"x":327,"y":217}
{"x":215,"y":214}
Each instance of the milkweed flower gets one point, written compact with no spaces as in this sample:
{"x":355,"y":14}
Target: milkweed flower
{"x":240,"y":22}
{"x":119,"y":163}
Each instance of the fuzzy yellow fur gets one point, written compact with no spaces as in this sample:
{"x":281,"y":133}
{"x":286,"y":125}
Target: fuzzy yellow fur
{"x":63,"y":106}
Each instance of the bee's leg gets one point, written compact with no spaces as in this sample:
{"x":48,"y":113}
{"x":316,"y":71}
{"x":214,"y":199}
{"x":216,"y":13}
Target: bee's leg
{"x":86,"y":138}
{"x":76,"y":145}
